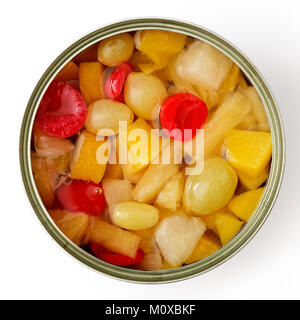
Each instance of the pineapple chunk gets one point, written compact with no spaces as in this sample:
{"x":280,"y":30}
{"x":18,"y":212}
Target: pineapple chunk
{"x":227,"y":226}
{"x":249,"y":122}
{"x":73,"y":225}
{"x":151,"y":261}
{"x":146,"y":236}
{"x":210,"y":97}
{"x":177,"y":237}
{"x":208,"y":244}
{"x":171,"y":194}
{"x":69,"y":72}
{"x":135,"y":177}
{"x":84,"y":164}
{"x":153,"y":180}
{"x":90,"y":81}
{"x":159,"y":46}
{"x":249,"y":151}
{"x":113,"y":238}
{"x":232,"y":111}
{"x":202,"y":64}
{"x":245,"y":203}
{"x":258,"y":109}
{"x":172,"y":76}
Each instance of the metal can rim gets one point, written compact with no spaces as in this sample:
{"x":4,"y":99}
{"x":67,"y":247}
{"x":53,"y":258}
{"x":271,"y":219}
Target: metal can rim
{"x":272,"y":188}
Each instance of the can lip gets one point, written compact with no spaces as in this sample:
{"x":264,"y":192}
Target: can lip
{"x":262,"y":211}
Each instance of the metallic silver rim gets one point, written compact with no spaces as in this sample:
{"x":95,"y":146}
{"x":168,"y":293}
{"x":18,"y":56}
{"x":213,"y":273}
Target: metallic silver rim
{"x":272,"y":188}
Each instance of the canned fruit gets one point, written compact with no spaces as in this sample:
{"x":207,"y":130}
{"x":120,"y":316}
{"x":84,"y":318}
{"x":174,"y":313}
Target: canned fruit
{"x":143,"y":94}
{"x":159,"y":46}
{"x":90,"y":81}
{"x":114,"y":50}
{"x":81,"y":196}
{"x":113,"y":238}
{"x":115,"y":178}
{"x":115,"y":258}
{"x":177,"y":237}
{"x":106,"y":114}
{"x":232,"y":111}
{"x":202,"y":64}
{"x":208,"y":244}
{"x":212,"y":189}
{"x":50,"y":147}
{"x":245,"y":203}
{"x":171,"y":194}
{"x":251,"y":157}
{"x":114,"y":84}
{"x":85,"y":164}
{"x":227,"y":226}
{"x":154,"y":178}
{"x":62,"y":111}
{"x":73,"y":225}
{"x":182,"y":111}
{"x":135,"y":216}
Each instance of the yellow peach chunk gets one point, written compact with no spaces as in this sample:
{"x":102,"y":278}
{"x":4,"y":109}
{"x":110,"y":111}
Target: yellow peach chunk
{"x":208,"y":244}
{"x":85,"y":162}
{"x":249,"y":151}
{"x":245,"y":203}
{"x":90,"y":81}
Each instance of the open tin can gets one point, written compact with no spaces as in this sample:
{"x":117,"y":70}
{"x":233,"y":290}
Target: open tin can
{"x":272,"y":187}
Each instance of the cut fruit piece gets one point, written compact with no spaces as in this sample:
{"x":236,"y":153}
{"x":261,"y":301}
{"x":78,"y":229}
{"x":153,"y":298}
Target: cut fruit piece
{"x":159,"y":46}
{"x":73,"y":225}
{"x":112,"y":238}
{"x":147,"y":241}
{"x":232,"y":111}
{"x":140,"y":151}
{"x":165,"y":213}
{"x":227,"y":226}
{"x":69,"y":72}
{"x":210,"y":97}
{"x":245,"y":203}
{"x":62,"y":111}
{"x":48,"y":175}
{"x":258,"y":109}
{"x":208,"y":244}
{"x":107,"y":114}
{"x":253,"y":182}
{"x":117,"y":191}
{"x":44,"y":180}
{"x":144,"y":94}
{"x":87,"y":163}
{"x":177,"y":237}
{"x":242,"y":82}
{"x":202,"y":64}
{"x":249,"y":122}
{"x":90,"y":81}
{"x":171,"y":194}
{"x":138,"y":58}
{"x":151,"y":262}
{"x":172,"y":76}
{"x":135,"y":177}
{"x":153,"y":180}
{"x":132,"y":215}
{"x":50,"y":147}
{"x":212,"y":189}
{"x":249,"y":151}
{"x":115,"y":258}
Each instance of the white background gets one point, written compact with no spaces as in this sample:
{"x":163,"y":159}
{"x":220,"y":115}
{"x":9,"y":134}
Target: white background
{"x":33,"y":33}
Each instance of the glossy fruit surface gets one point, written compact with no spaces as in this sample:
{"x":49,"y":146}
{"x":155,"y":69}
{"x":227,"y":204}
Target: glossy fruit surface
{"x":114,"y":84}
{"x":62,"y":111}
{"x":182,"y":111}
{"x":115,"y":258}
{"x":81,"y":196}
